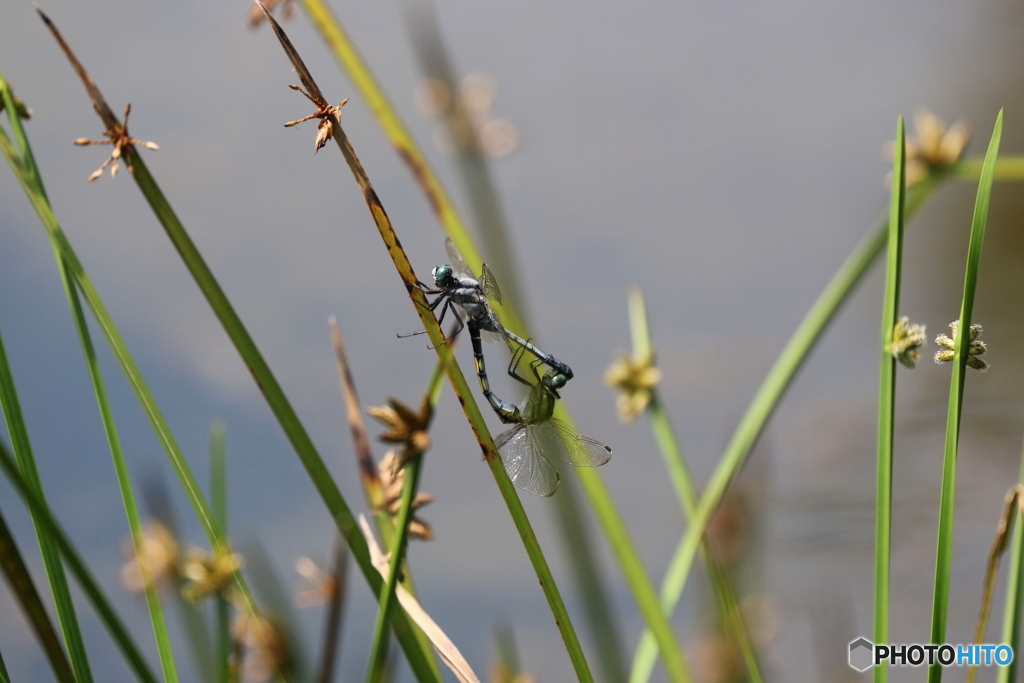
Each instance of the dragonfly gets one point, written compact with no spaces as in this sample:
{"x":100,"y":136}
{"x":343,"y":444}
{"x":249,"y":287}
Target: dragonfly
{"x":457,"y":288}
{"x":526,"y":449}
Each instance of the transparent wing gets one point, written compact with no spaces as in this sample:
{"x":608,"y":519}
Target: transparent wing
{"x":495,"y":332}
{"x":526,"y":466}
{"x":457,"y":264}
{"x":489,"y":284}
{"x":558,"y":440}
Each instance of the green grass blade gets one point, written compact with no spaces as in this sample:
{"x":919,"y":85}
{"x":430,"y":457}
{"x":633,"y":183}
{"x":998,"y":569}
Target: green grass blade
{"x":78,"y":569}
{"x":20,"y":581}
{"x":379,"y":645}
{"x":66,"y":617}
{"x":887,"y":397}
{"x":764,"y":402}
{"x":944,"y":545}
{"x":4,"y":676}
{"x":219,"y":502}
{"x":455,"y":375}
{"x":1014,"y":605}
{"x":376,"y":664}
{"x":686,"y":490}
{"x":369,"y":476}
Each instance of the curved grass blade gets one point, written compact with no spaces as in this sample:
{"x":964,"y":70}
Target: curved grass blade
{"x":247,"y":349}
{"x":763,"y":405}
{"x":887,"y":398}
{"x":4,"y":676}
{"x":449,"y":654}
{"x":944,"y":545}
{"x":455,"y":375}
{"x":24,"y":591}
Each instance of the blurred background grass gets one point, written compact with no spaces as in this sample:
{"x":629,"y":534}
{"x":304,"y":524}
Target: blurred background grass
{"x":724,"y":155}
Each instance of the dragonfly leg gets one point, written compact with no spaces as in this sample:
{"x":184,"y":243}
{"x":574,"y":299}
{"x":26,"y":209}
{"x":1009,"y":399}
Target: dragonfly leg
{"x":459,"y":324}
{"x":513,"y":366}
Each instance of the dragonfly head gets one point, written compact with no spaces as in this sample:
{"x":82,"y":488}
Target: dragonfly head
{"x":555,"y":379}
{"x":443,"y":275}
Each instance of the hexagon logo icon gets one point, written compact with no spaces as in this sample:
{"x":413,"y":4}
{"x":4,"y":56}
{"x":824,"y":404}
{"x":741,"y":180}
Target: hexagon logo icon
{"x":862,"y":654}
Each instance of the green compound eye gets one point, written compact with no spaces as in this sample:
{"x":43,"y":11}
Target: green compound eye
{"x":442,"y":275}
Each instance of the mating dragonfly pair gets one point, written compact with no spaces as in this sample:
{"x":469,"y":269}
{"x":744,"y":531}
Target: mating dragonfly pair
{"x":537,"y":436}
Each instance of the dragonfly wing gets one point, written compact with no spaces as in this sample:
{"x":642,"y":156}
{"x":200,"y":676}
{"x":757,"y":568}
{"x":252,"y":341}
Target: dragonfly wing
{"x":495,"y":333}
{"x":489,"y":284}
{"x":525,"y":465}
{"x":457,"y":264}
{"x":561,"y":441}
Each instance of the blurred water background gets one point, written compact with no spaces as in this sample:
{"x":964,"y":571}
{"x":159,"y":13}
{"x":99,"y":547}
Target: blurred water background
{"x":725,"y":155}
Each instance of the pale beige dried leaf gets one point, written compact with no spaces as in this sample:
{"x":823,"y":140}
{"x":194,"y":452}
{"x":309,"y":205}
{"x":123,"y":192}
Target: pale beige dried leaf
{"x":450,"y":654}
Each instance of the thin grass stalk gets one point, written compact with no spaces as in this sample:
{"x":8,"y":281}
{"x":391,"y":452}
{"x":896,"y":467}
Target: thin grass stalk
{"x":27,"y":161}
{"x":573,"y":524}
{"x":332,"y":620}
{"x":24,"y":590}
{"x":887,"y":398}
{"x":410,"y":485}
{"x":4,"y":676}
{"x":1014,"y":603}
{"x":89,"y":586}
{"x":379,"y":646}
{"x":219,"y":502}
{"x":766,"y":399}
{"x":686,"y":490}
{"x":369,"y":474}
{"x":455,"y":375}
{"x":267,"y":383}
{"x":66,"y":617}
{"x":944,"y":545}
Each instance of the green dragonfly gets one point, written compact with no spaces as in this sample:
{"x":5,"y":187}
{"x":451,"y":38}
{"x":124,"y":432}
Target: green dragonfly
{"x":526,"y":449}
